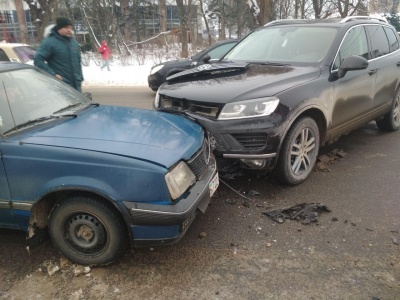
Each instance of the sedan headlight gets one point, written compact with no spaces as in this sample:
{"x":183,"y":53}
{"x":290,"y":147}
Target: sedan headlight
{"x":249,"y":108}
{"x":179,"y":179}
{"x":156,"y":68}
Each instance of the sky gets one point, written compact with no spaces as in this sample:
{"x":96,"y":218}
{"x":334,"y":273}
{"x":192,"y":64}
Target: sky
{"x":134,"y":75}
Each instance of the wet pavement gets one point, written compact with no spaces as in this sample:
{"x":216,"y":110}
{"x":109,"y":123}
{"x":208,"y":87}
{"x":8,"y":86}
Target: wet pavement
{"x":235,"y":251}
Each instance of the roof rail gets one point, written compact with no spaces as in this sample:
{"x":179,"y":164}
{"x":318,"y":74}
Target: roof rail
{"x":285,"y":21}
{"x":352,"y":18}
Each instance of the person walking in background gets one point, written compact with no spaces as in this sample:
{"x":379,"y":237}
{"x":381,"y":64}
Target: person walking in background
{"x":105,"y":55}
{"x":59,"y":54}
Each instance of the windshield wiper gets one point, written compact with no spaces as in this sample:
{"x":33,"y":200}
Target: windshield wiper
{"x":266,"y":63}
{"x":67,"y":108}
{"x":29,"y":123}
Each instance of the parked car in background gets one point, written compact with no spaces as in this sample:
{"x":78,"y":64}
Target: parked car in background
{"x":14,"y":52}
{"x":96,"y":177}
{"x":290,"y":87}
{"x":161,"y":71}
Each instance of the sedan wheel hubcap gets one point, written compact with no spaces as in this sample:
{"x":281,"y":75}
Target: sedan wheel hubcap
{"x":85,"y":233}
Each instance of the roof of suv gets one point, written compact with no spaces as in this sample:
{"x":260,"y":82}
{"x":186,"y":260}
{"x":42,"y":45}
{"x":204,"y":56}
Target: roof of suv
{"x":360,"y":19}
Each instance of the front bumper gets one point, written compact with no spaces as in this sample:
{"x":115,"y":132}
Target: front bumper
{"x":154,"y":225}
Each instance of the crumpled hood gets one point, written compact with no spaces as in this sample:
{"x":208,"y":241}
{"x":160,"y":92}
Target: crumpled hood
{"x":143,"y":134}
{"x":230,"y":82}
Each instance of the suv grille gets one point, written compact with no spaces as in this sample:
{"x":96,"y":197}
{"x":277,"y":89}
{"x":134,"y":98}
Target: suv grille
{"x":199,"y":161}
{"x":204,"y":109}
{"x":251,"y":140}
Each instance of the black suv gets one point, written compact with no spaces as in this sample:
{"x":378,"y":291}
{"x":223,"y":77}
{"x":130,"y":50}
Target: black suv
{"x":289,"y":87}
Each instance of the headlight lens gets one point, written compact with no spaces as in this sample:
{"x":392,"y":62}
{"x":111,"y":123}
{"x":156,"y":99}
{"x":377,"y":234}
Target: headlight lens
{"x":249,"y":108}
{"x":179,"y":179}
{"x":156,"y":68}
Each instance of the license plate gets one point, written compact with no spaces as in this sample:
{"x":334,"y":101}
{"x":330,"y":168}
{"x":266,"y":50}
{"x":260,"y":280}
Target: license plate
{"x":213,"y":185}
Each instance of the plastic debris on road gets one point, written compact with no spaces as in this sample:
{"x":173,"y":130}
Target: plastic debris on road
{"x":306,"y":213}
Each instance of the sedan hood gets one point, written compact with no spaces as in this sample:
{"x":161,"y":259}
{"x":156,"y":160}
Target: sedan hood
{"x":172,"y":64}
{"x":231,"y":82}
{"x":143,"y":134}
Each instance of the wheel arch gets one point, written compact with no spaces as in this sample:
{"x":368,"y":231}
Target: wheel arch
{"x":313,"y":112}
{"x":41,"y":210}
{"x":317,"y":115}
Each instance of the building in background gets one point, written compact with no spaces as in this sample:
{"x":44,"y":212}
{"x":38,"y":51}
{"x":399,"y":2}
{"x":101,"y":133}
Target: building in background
{"x":10,"y":30}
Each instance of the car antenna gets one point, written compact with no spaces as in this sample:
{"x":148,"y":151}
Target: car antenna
{"x":9,"y":107}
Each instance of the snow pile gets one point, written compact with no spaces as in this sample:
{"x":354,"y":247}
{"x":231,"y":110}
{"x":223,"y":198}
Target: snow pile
{"x":118,"y":76}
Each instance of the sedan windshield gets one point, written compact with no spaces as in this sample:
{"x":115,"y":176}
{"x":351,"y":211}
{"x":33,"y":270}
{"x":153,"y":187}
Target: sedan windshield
{"x":28,"y":95}
{"x":284,"y":44}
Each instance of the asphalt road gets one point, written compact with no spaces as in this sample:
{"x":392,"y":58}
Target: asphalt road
{"x":352,"y":252}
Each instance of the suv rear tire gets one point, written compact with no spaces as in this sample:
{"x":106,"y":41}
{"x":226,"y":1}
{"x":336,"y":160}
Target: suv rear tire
{"x":391,"y":121}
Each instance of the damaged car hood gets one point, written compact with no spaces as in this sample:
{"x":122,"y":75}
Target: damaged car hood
{"x":230,"y":82}
{"x":137,"y":133}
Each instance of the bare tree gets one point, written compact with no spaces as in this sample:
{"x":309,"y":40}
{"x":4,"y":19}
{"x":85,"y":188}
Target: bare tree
{"x":205,"y":21}
{"x":262,"y":10}
{"x":21,"y":20}
{"x":183,"y":23}
{"x":285,"y":8}
{"x":43,"y":13}
{"x":126,"y":19}
{"x":136,"y":19}
{"x":348,"y":8}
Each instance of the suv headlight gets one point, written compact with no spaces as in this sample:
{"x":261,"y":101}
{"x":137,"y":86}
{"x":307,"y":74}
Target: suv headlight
{"x":179,"y":179}
{"x":156,"y":68}
{"x":249,"y":108}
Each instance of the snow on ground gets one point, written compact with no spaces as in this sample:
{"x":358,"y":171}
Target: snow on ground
{"x":134,"y":75}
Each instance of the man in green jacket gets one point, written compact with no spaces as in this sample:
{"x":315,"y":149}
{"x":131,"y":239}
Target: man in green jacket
{"x":59,"y":54}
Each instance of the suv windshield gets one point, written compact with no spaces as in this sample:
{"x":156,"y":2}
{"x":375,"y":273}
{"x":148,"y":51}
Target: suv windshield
{"x":27,"y":95}
{"x":288,"y":44}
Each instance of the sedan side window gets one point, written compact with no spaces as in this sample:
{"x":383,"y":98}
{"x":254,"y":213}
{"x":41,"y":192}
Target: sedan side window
{"x":218,"y":52}
{"x":3,"y":56}
{"x":354,"y":43}
{"x":379,"y":41}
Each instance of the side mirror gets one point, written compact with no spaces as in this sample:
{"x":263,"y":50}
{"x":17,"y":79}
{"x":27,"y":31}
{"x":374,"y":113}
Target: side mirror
{"x":352,"y":63}
{"x":88,"y":95}
{"x":206,"y":59}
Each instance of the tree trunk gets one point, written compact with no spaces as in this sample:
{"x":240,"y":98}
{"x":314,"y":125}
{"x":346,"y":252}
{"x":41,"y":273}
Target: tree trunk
{"x":21,"y":20}
{"x":222,"y":21}
{"x":126,"y":19}
{"x":183,"y":21}
{"x":136,"y":18}
{"x":43,"y":13}
{"x":205,"y":22}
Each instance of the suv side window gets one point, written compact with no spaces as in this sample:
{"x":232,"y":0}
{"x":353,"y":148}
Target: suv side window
{"x":354,"y":43}
{"x":392,"y":37}
{"x":379,"y":41}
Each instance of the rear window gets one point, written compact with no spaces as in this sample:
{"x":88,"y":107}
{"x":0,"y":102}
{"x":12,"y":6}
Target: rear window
{"x":25,"y":53}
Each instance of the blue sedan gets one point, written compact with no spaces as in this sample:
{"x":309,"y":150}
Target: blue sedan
{"x":96,"y":177}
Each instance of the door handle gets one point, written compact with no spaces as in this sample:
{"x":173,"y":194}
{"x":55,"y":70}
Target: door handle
{"x":398,"y":64}
{"x":372,"y":72}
